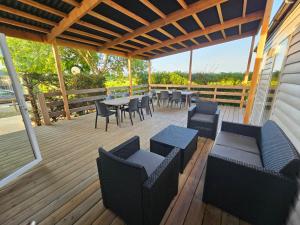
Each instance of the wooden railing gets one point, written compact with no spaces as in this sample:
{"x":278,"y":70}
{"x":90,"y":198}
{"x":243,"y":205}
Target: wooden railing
{"x":51,"y":104}
{"x":218,"y":93}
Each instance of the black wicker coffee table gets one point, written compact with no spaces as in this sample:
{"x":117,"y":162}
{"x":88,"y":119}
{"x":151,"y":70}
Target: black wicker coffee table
{"x":173,"y":136}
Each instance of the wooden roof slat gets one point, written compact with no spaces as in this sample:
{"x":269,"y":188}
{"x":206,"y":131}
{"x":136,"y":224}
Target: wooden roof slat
{"x":172,"y":17}
{"x":140,"y":42}
{"x":72,"y":2}
{"x":83,"y":33}
{"x":183,"y":4}
{"x":73,"y":17}
{"x":79,"y":40}
{"x":23,"y":25}
{"x":244,"y":14}
{"x":43,"y":7}
{"x":165,"y":33}
{"x":110,"y":21}
{"x":231,"y":38}
{"x":220,"y":14}
{"x":151,"y":38}
{"x":200,"y":24}
{"x":126,"y":11}
{"x":97,"y":28}
{"x":26,"y":15}
{"x":153,"y":8}
{"x":211,"y":29}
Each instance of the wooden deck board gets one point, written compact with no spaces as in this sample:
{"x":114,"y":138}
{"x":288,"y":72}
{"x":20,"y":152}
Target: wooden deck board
{"x":64,"y":188}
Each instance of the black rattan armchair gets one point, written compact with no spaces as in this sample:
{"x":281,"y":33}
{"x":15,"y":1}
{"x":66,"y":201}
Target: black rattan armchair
{"x":138,"y":185}
{"x":204,"y":117}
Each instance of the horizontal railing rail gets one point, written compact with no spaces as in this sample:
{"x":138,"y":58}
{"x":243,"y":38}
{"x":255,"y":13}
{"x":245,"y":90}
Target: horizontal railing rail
{"x":228,"y":94}
{"x":51,"y":105}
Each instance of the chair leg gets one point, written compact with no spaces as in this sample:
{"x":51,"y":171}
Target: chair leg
{"x":150,"y":111}
{"x":152,"y":105}
{"x":117,"y":119}
{"x":96,"y":121}
{"x":107,"y":120}
{"x":131,"y":118}
{"x":140,"y":115}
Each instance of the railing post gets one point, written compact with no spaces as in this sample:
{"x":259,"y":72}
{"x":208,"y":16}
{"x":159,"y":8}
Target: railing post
{"x":44,"y":108}
{"x":215,"y":94}
{"x":243,"y":96}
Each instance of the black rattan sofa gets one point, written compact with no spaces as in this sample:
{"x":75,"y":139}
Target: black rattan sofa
{"x":204,"y":117}
{"x":138,"y":185}
{"x":252,"y":173}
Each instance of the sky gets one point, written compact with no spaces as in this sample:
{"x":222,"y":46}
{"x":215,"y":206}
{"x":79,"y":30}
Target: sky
{"x":227,"y":57}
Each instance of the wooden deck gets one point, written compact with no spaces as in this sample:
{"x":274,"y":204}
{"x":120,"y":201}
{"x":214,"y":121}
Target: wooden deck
{"x":64,"y":188}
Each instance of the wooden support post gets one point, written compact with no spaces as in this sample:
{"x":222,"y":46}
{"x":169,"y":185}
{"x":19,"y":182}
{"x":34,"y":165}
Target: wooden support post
{"x":149,"y":75}
{"x":258,"y":60}
{"x":129,"y":76}
{"x":43,"y":108}
{"x":246,"y":76}
{"x":190,"y":70}
{"x":61,"y":79}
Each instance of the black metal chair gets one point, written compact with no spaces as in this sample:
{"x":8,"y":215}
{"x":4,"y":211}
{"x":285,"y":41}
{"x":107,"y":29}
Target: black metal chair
{"x":131,"y":108}
{"x":125,"y":94}
{"x":103,"y":111}
{"x":145,"y":104}
{"x":204,"y":117}
{"x":138,"y":185}
{"x":109,"y":97}
{"x":176,"y":98}
{"x":164,"y":97}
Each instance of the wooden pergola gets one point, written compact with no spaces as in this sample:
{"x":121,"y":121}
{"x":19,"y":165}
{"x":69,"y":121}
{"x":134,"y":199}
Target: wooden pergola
{"x":144,"y":29}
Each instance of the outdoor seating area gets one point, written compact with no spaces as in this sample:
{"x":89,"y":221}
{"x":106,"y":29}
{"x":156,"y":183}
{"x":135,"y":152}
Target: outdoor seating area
{"x":99,"y":137}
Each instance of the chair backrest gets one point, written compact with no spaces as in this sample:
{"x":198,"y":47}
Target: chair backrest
{"x":133,"y":104}
{"x":277,"y":151}
{"x":164,"y":95}
{"x":101,"y":108}
{"x":206,"y":107}
{"x":121,"y":186}
{"x":145,"y":102}
{"x":176,"y":95}
{"x":125,"y":94}
{"x":109,"y":97}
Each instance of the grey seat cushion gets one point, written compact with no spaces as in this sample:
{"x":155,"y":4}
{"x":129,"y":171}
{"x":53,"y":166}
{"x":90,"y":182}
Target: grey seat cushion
{"x":238,"y":141}
{"x":206,"y":107}
{"x":237,"y":154}
{"x":199,"y":117}
{"x":149,"y":160}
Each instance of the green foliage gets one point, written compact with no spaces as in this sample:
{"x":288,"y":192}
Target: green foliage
{"x":179,"y":77}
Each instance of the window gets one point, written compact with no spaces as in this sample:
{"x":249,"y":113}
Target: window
{"x":280,"y":53}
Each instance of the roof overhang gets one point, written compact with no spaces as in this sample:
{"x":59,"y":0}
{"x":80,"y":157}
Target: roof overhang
{"x":143,"y":29}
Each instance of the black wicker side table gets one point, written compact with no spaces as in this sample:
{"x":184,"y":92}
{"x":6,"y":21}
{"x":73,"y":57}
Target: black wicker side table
{"x":173,"y":136}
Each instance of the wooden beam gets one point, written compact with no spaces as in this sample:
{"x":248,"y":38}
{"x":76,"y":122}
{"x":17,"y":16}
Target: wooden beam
{"x":129,"y":76}
{"x":110,"y":21}
{"x":153,"y":8}
{"x":72,"y":2}
{"x":246,"y":76}
{"x":23,"y":25}
{"x":149,"y":74}
{"x":244,"y":14}
{"x":43,"y":7}
{"x":258,"y":60}
{"x":126,"y":12}
{"x":97,"y":28}
{"x":200,"y":24}
{"x":73,"y":17}
{"x":211,"y":29}
{"x":221,"y":41}
{"x":220,"y":14}
{"x":61,"y":79}
{"x":151,"y":38}
{"x":172,"y":17}
{"x":83,"y":33}
{"x":190,"y":69}
{"x":183,"y":4}
{"x":26,"y":15}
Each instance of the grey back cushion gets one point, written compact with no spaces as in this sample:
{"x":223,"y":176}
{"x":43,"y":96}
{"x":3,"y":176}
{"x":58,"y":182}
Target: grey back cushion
{"x":278,"y":153}
{"x":206,"y":107}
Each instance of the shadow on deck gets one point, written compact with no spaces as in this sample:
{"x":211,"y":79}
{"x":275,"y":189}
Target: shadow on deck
{"x":64,"y":188}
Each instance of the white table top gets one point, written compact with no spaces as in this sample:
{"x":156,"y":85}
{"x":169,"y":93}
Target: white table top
{"x":121,"y":101}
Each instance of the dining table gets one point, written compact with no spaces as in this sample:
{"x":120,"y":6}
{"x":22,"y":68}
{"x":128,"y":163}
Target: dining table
{"x":118,"y":103}
{"x":186,"y":93}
